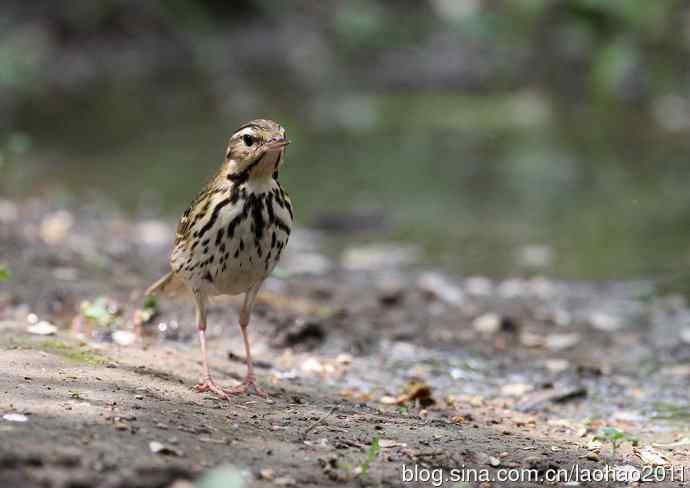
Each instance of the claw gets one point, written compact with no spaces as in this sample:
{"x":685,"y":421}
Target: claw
{"x":209,"y":385}
{"x":247,"y":386}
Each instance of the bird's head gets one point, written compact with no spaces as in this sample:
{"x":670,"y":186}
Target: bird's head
{"x":255,"y":150}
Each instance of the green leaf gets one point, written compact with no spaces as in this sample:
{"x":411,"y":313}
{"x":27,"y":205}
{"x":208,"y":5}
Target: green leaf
{"x":374,"y":449}
{"x":99,"y":312}
{"x":372,"y":454}
{"x":4,"y":273}
{"x":615,"y":436}
{"x":151,"y":302}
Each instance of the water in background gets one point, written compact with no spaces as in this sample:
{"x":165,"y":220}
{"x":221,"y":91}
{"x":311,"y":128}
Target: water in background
{"x":484,"y":185}
{"x":501,"y":138}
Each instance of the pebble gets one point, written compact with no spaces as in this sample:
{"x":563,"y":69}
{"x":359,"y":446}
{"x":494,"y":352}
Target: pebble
{"x":344,"y":358}
{"x":159,"y":448}
{"x":42,"y":328}
{"x":182,"y":484}
{"x":15,"y":417}
{"x":479,"y":286}
{"x":557,"y":365}
{"x":153,"y":233}
{"x":312,"y":365}
{"x":484,"y":458}
{"x":266,"y":474}
{"x":516,"y":389}
{"x":285,"y":481}
{"x":124,"y":337}
{"x":530,"y":339}
{"x":55,"y":227}
{"x":392,"y":294}
{"x":685,"y":335}
{"x":440,"y":287}
{"x":561,"y":342}
{"x":604,"y":321}
{"x":378,"y":257}
{"x":489,"y":323}
{"x":307,"y":263}
{"x":8,"y":212}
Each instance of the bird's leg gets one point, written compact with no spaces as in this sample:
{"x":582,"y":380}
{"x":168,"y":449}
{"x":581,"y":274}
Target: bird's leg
{"x":207,"y":383}
{"x":245,"y":314}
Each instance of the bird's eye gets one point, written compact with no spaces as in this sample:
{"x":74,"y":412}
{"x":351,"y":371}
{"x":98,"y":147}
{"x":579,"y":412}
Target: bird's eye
{"x":248,"y":140}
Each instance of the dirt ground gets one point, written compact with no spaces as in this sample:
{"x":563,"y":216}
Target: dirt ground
{"x":371,"y":365}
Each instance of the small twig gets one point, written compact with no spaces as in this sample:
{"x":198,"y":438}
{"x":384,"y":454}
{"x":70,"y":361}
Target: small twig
{"x":427,"y":454}
{"x":353,"y":444}
{"x":257,"y":362}
{"x":318,"y":422}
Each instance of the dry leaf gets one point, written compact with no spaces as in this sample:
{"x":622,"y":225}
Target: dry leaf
{"x":650,"y":456}
{"x":515,"y":389}
{"x":388,"y":443}
{"x":416,"y":390}
{"x":683,"y":442}
{"x":388,"y":400}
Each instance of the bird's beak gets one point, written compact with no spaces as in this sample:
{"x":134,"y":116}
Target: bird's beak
{"x":274,"y":144}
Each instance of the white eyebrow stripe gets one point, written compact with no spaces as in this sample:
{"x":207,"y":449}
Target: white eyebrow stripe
{"x":246,"y":130}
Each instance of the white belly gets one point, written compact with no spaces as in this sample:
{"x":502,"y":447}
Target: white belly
{"x":242,"y":247}
{"x":247,"y":261}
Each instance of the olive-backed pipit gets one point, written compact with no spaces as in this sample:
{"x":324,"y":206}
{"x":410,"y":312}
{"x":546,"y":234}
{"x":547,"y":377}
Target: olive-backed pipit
{"x":232,"y":235}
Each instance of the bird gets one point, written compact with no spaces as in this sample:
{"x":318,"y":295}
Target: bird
{"x":232,"y":236}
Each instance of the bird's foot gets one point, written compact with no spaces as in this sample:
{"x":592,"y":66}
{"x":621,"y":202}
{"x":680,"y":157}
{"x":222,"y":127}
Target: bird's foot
{"x":247,"y":386}
{"x":209,"y":385}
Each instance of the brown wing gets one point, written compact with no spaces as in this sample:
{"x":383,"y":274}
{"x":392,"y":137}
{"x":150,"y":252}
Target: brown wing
{"x":196,"y":211}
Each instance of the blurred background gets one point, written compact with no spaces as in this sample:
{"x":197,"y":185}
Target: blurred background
{"x":496,"y":137}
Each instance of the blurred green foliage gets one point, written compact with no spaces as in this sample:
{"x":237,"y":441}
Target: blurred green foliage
{"x":4,"y":273}
{"x":610,"y":38}
{"x":615,"y":437}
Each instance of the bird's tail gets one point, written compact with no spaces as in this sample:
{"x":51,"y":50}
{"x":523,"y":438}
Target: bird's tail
{"x":167,"y":284}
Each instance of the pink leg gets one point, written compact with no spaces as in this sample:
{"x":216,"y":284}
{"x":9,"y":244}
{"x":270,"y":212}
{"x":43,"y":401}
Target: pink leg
{"x":249,"y":382}
{"x":207,"y":383}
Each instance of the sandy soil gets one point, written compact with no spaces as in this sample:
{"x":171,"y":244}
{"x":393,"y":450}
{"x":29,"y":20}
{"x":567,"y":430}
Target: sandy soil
{"x":440,"y":373}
